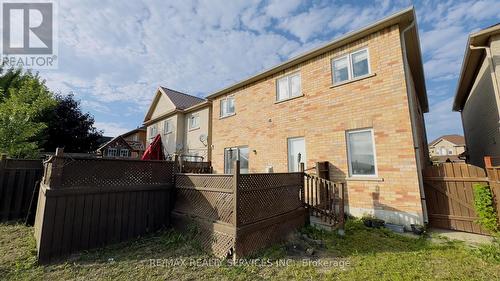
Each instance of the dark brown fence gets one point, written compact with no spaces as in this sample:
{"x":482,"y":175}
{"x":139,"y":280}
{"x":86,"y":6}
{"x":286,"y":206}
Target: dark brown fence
{"x":17,"y":183}
{"x":88,"y":203}
{"x":241,"y":213}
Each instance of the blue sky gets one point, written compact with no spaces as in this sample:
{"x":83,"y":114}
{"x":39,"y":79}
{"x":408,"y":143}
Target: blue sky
{"x":114,"y":54}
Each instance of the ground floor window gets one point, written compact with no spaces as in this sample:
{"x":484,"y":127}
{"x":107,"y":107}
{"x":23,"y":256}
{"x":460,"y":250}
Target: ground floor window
{"x":124,"y":153}
{"x":236,"y":153}
{"x":112,"y":152}
{"x":361,"y":153}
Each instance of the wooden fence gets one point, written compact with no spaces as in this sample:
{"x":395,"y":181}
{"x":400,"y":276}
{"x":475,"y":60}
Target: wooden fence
{"x":450,"y":196}
{"x":17,"y":183}
{"x":241,"y":213}
{"x":324,"y":198}
{"x":88,"y":203}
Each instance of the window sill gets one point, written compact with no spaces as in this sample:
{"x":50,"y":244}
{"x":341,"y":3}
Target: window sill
{"x":287,"y":99}
{"x":374,"y":178}
{"x":193,"y":129}
{"x":353,"y":80}
{"x":167,"y":133}
{"x":226,"y":116}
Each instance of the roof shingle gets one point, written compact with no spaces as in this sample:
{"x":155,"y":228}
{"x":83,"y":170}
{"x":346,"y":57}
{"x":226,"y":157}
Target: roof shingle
{"x":456,"y":139}
{"x":181,"y":100}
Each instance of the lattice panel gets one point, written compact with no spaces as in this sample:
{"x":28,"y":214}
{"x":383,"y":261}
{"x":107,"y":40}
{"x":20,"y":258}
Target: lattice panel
{"x":218,"y":243}
{"x":205,"y":181}
{"x":258,"y":181}
{"x":252,"y":241}
{"x":263,"y":196}
{"x":113,"y":172}
{"x":255,"y":205}
{"x":213,"y":205}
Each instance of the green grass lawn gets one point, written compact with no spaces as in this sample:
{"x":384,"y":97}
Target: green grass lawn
{"x":363,"y":254}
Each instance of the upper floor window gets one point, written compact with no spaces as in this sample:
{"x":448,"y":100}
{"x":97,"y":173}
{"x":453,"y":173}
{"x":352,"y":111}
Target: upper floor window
{"x":288,"y":87}
{"x":361,"y":153}
{"x":167,"y":126}
{"x":153,"y":131}
{"x":227,"y":106}
{"x":124,"y":153}
{"x":194,"y":121}
{"x":350,"y":66}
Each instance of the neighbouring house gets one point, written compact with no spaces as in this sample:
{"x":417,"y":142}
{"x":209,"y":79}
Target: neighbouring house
{"x":137,"y":140}
{"x":447,"y":148}
{"x":129,"y":145}
{"x":356,"y":102}
{"x":182,"y":121}
{"x":115,"y":148}
{"x":478,"y":96}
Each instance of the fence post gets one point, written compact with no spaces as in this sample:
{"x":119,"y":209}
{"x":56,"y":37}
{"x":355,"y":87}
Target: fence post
{"x":302,"y":187}
{"x":236,"y":181}
{"x":341,"y":210}
{"x":57,"y":168}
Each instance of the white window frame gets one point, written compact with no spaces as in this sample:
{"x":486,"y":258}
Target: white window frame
{"x":349,"y":153}
{"x":234,"y":106}
{"x":114,"y":154}
{"x":124,"y":150}
{"x":350,"y":71}
{"x":450,"y":151}
{"x":289,"y":84}
{"x":153,"y":131}
{"x":167,"y":124}
{"x":193,"y":116}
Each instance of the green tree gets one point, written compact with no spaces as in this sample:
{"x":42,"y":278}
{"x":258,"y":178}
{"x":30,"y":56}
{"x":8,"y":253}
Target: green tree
{"x":24,"y":100}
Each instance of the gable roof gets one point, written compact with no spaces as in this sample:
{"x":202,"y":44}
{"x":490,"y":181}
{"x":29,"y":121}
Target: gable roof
{"x":455,"y":139}
{"x":472,"y":63}
{"x":180,"y":101}
{"x":403,"y":18}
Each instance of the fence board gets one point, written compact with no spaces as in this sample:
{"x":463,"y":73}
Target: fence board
{"x":96,"y":212}
{"x":449,"y":195}
{"x":17,"y":184}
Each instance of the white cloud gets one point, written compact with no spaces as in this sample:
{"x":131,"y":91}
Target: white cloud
{"x":441,"y":120}
{"x":112,"y":129}
{"x":119,"y":53}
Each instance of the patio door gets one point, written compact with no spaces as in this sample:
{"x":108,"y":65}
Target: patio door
{"x":296,"y":153}
{"x":236,"y":153}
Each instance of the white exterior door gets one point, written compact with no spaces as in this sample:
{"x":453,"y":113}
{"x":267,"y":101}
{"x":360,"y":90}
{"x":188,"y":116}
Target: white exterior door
{"x":296,"y":149}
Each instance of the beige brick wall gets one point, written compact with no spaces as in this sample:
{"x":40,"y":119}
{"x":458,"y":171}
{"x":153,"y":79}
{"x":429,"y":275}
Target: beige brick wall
{"x":323,"y":115}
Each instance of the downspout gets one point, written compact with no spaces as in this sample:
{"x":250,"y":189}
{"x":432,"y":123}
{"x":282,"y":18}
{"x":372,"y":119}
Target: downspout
{"x":416,"y":144}
{"x":496,"y":86}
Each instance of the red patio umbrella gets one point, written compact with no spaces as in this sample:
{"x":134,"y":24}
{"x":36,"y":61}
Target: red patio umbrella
{"x":154,"y":150}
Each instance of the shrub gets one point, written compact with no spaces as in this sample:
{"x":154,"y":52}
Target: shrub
{"x":484,"y":206}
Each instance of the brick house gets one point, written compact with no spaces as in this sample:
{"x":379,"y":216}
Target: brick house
{"x":183,"y":123}
{"x":478,"y":96}
{"x":356,"y":102}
